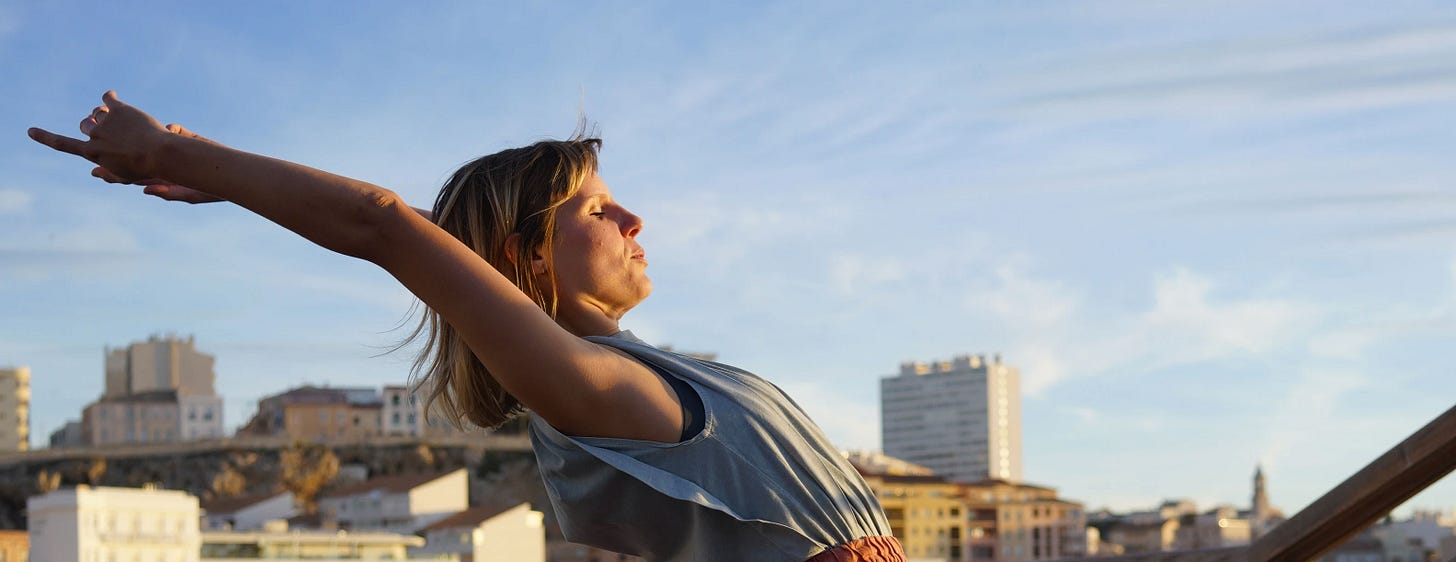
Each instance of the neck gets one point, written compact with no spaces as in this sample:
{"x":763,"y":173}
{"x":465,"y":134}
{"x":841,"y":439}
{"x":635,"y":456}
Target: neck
{"x":584,"y":320}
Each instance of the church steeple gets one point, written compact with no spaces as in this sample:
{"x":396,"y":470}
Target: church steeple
{"x":1260,"y":512}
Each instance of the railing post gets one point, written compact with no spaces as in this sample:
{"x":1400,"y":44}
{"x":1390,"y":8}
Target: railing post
{"x":1413,"y":465}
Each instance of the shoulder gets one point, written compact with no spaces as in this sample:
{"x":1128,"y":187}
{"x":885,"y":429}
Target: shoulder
{"x":623,"y":398}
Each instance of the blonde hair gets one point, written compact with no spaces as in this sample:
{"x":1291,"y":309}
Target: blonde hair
{"x":515,"y":191}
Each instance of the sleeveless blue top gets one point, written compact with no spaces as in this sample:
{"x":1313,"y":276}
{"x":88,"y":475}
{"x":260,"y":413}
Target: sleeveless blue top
{"x":760,"y":482}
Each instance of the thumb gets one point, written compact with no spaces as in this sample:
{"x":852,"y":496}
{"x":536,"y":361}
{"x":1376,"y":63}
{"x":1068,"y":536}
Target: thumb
{"x":184,"y":131}
{"x":109,"y":98}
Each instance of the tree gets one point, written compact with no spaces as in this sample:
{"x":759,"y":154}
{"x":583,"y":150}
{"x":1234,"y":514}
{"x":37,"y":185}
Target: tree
{"x":48,"y":481}
{"x":426,"y":456}
{"x":96,"y":471}
{"x":228,"y":483}
{"x":306,"y":469}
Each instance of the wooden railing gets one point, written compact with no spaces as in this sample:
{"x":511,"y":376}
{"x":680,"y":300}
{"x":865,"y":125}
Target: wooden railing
{"x":1394,"y":477}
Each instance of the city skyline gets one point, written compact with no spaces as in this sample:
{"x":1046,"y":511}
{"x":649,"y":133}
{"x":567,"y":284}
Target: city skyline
{"x":1209,"y":236}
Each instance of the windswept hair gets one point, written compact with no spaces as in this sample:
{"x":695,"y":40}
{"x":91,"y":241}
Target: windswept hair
{"x":515,"y":191}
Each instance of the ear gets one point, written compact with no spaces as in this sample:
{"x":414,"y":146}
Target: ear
{"x":513,"y":243}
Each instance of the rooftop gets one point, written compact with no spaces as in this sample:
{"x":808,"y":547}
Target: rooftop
{"x":469,"y":518}
{"x":389,"y":484}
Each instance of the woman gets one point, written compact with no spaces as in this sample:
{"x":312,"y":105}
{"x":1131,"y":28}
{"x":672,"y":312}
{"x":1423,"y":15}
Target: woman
{"x":526,"y":269}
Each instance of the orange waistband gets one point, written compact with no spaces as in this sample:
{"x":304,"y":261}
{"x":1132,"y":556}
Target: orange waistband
{"x":868,"y":549}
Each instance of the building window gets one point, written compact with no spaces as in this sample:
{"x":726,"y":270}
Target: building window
{"x":394,"y":400}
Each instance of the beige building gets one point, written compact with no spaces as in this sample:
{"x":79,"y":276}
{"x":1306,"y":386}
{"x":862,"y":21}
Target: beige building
{"x":276,"y":542}
{"x":159,"y":364}
{"x":14,"y":546}
{"x":936,"y":519}
{"x":14,"y":409}
{"x":1217,"y":528}
{"x":103,"y":523}
{"x":157,"y":391}
{"x":960,"y":418}
{"x":140,"y":418}
{"x":1031,"y":522}
{"x":487,"y":534}
{"x":1178,"y":524}
{"x":319,"y":414}
{"x":926,"y":513}
{"x":1154,"y":530}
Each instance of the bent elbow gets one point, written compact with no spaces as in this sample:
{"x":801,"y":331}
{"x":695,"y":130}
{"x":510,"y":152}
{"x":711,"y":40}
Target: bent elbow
{"x":378,"y":214}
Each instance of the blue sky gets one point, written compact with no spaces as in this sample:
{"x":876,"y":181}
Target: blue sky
{"x":1209,"y":234}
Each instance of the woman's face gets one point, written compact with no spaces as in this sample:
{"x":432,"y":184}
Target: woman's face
{"x":597,"y":261}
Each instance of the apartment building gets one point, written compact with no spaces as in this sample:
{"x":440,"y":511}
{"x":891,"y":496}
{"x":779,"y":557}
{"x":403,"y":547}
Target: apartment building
{"x":938,"y":519}
{"x":14,"y":409}
{"x":961,"y":418}
{"x":156,"y":391}
{"x":402,"y":412}
{"x":319,"y":414}
{"x":1029,"y":522}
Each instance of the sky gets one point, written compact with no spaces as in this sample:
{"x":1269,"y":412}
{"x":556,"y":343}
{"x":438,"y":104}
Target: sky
{"x":1209,"y":234}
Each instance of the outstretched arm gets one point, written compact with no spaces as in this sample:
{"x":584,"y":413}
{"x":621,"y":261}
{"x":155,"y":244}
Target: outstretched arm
{"x":169,"y":191}
{"x":579,"y":387}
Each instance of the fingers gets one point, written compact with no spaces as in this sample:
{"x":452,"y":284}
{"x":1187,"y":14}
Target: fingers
{"x":59,"y":142}
{"x":107,"y":176}
{"x":174,"y":192}
{"x":109,"y":98}
{"x":159,"y":190}
{"x":94,"y":119}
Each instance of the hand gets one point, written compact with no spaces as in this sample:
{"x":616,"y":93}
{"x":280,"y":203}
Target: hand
{"x":162,"y":188}
{"x":122,"y":139}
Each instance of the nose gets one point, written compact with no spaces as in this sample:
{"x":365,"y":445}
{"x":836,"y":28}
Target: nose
{"x":631,"y":224}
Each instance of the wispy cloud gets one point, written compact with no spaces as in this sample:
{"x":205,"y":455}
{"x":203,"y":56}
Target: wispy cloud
{"x":1289,"y":75}
{"x":82,"y":248}
{"x":1398,"y":200}
{"x":1057,"y":336}
{"x":14,"y":201}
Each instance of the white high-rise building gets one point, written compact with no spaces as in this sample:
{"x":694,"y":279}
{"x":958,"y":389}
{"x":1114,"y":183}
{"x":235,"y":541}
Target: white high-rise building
{"x":960,"y":418}
{"x":14,"y":409}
